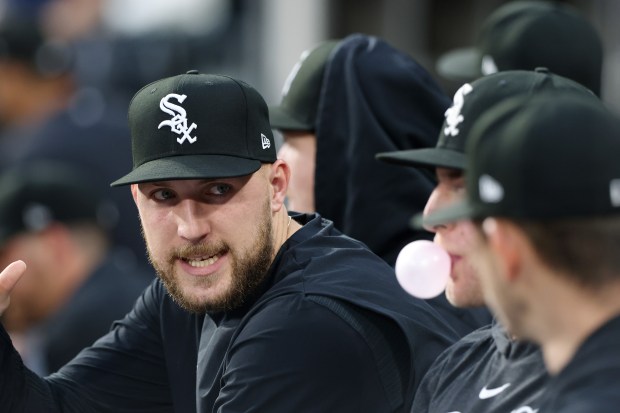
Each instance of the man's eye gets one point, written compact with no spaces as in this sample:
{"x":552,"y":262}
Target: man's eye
{"x":163,"y":194}
{"x":219,"y":189}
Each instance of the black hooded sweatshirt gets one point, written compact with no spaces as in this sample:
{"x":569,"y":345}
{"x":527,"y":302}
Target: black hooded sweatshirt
{"x":375,"y":98}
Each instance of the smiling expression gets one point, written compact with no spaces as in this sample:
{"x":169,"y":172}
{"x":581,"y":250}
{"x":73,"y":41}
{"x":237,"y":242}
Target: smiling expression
{"x":210,"y":241}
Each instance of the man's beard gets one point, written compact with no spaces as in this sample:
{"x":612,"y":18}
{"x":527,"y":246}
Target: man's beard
{"x":248,"y":272}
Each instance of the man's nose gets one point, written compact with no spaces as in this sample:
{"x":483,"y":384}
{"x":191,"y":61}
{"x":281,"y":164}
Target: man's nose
{"x":193,"y":220}
{"x":435,"y":202}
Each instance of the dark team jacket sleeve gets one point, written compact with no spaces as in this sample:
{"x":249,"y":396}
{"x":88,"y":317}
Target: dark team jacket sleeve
{"x":429,"y":385}
{"x":297,"y":356}
{"x":124,"y":371}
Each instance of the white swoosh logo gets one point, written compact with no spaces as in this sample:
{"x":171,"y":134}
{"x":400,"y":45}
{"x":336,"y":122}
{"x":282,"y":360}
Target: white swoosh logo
{"x":488,"y":393}
{"x":525,"y":409}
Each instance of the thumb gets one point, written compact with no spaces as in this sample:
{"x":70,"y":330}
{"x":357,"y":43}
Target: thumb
{"x":8,"y":278}
{"x":10,"y":275}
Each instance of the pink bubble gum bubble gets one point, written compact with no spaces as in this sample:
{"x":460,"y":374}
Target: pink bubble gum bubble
{"x":423,"y":268}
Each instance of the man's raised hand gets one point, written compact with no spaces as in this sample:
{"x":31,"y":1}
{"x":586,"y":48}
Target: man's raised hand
{"x":8,"y":278}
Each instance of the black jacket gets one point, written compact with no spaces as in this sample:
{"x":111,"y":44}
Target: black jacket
{"x":590,"y":381}
{"x":288,"y":351}
{"x":375,"y":98}
{"x":484,"y":372}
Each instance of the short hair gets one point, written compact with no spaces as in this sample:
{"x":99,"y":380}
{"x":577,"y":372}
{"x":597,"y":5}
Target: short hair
{"x":585,"y":249}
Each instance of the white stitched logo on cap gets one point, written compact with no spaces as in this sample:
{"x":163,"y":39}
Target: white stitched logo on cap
{"x":488,"y":66}
{"x":614,"y":192}
{"x":178,"y":123}
{"x":265,"y":141}
{"x":293,"y":73}
{"x":453,"y":114}
{"x":490,"y":190}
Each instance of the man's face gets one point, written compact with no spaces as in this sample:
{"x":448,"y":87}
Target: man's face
{"x":501,"y":296}
{"x":463,"y":289}
{"x":210,"y":241}
{"x":299,"y":151}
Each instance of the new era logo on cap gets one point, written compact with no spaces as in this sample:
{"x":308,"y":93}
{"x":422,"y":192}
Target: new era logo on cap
{"x":265,"y":141}
{"x":197,"y":126}
{"x":487,"y":65}
{"x":491,"y":191}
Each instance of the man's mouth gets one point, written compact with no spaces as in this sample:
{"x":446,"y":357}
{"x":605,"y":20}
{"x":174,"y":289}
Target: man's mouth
{"x":202,"y":261}
{"x":454,"y":259}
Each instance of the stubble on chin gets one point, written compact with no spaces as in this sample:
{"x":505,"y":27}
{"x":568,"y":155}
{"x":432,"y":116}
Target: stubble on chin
{"x":248,"y":273}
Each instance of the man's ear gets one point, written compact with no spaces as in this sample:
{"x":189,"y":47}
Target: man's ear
{"x":505,"y":240}
{"x":279,"y":176}
{"x":134,"y":192}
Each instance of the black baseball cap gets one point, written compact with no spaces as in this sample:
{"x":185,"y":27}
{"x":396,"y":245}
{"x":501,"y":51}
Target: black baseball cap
{"x":523,"y":35}
{"x":197,"y":126}
{"x":470,"y":101}
{"x":36,"y":194}
{"x":551,"y":156}
{"x":302,"y":89}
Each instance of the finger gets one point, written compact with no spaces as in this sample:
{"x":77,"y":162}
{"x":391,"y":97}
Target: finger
{"x":11,"y":274}
{"x":8,"y":278}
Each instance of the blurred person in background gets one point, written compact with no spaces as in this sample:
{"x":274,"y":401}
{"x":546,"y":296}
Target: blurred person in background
{"x":53,"y":217}
{"x":343,"y":102}
{"x":45,"y":114}
{"x":524,"y":35}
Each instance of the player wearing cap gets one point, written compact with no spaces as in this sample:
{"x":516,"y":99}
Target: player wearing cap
{"x":254,"y":309}
{"x":344,"y":102}
{"x":486,"y":371}
{"x":54,"y":217}
{"x":543,"y":189}
{"x":524,"y":35}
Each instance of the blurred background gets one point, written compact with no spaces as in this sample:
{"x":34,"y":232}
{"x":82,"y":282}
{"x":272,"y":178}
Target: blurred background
{"x":127,"y":43}
{"x":423,"y":28}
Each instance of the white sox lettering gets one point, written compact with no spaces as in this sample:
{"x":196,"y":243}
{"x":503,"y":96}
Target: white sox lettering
{"x":453,"y":114}
{"x":178,"y":123}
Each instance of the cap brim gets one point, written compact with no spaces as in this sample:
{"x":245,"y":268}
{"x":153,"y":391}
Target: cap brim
{"x":281,"y":120}
{"x":460,"y":64}
{"x":456,"y":212}
{"x":435,"y":157}
{"x":190,"y":167}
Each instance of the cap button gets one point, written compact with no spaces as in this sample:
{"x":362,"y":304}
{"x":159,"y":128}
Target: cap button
{"x":542,"y":70}
{"x":192,"y":72}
